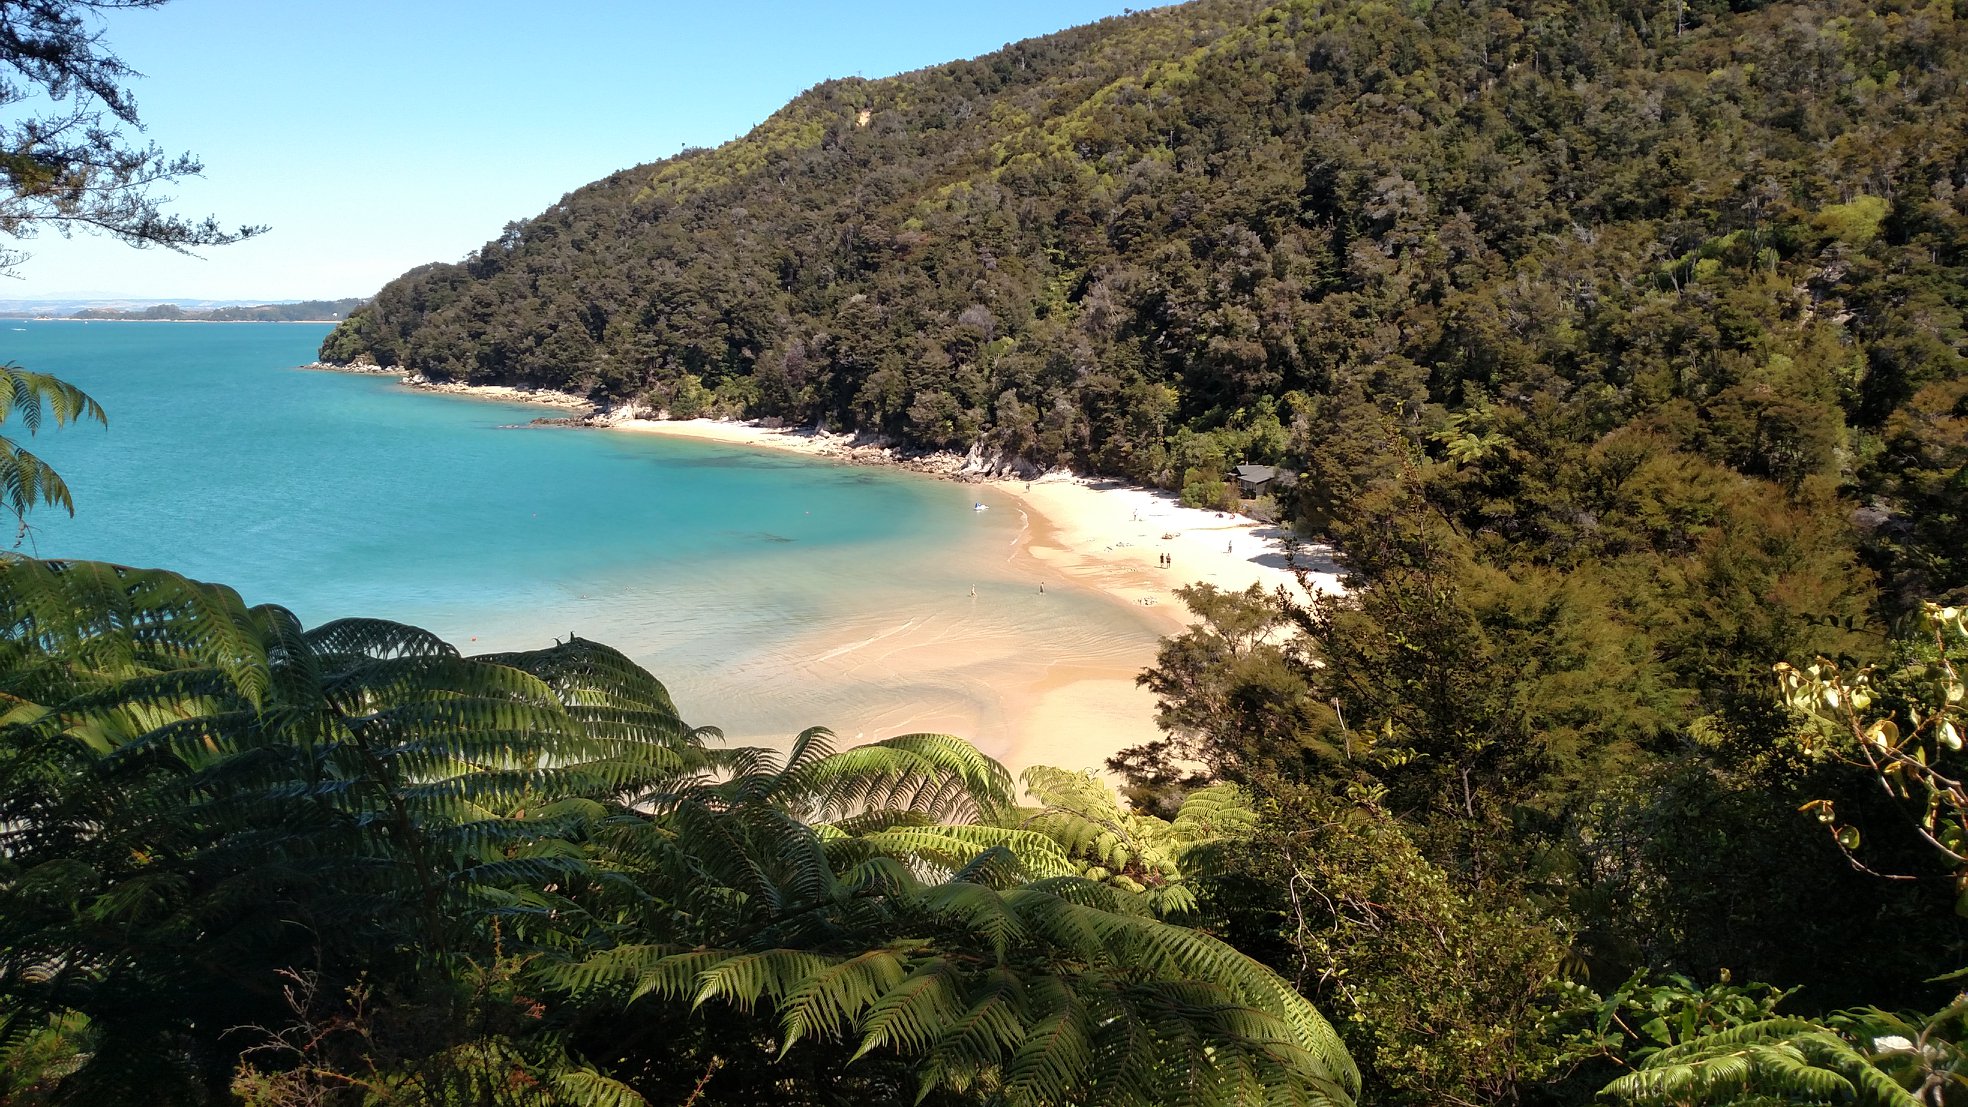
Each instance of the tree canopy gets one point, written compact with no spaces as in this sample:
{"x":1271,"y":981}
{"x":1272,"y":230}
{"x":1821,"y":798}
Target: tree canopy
{"x":1234,"y":231}
{"x":238,"y":856}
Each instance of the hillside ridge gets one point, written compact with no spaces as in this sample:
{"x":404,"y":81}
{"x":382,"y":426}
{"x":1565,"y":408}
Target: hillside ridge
{"x":1163,"y":244}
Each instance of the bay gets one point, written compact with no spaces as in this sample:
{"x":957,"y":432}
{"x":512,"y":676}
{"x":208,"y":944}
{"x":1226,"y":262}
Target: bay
{"x":770,"y":591}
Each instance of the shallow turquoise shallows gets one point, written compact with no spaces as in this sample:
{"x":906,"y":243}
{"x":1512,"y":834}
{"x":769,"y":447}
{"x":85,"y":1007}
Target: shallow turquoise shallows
{"x":728,"y":572}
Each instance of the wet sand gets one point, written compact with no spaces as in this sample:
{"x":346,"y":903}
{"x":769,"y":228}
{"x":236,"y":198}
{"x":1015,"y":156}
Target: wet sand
{"x":1030,"y":702}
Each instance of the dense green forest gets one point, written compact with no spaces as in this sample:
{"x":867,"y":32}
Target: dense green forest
{"x":1230,"y":231}
{"x":1620,"y":347}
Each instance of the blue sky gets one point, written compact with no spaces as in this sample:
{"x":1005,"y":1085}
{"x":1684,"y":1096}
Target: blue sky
{"x":376,"y":135}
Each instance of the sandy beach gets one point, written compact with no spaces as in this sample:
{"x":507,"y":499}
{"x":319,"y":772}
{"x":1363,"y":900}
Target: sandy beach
{"x":1022,"y":701}
{"x":1088,"y":534}
{"x":1099,"y":533}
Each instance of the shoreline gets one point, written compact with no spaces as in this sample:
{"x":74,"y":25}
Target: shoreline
{"x":1097,"y":532}
{"x":1100,"y":536}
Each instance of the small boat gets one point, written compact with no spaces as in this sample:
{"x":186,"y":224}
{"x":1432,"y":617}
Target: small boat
{"x":979,"y":507}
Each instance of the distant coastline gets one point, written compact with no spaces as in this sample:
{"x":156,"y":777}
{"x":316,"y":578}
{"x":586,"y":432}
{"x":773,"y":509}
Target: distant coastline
{"x":138,"y":319}
{"x":137,"y":311}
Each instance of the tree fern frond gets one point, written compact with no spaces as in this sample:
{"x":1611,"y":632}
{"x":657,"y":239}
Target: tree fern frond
{"x":1140,"y":855}
{"x":1052,"y":1057}
{"x":585,"y":1087}
{"x":586,"y":674}
{"x":932,"y":774}
{"x":912,"y":1013}
{"x":953,"y":848}
{"x":1750,"y":1033}
{"x":810,"y":747}
{"x":32,"y":395}
{"x":378,"y":639}
{"x":981,"y":1035}
{"x":981,"y":911}
{"x":745,"y":978}
{"x":1794,"y":1059}
{"x":1218,"y":812}
{"x":828,"y":1001}
{"x":27,"y":482}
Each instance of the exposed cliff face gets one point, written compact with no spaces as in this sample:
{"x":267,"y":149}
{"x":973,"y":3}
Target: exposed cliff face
{"x":1145,"y":245}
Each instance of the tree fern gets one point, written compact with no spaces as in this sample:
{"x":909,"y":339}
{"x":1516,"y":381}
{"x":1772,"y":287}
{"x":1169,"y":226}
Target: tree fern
{"x":196,"y":795}
{"x":1041,"y":990}
{"x":26,"y":481}
{"x":1137,"y":853}
{"x":1866,"y":1056}
{"x":221,"y":773}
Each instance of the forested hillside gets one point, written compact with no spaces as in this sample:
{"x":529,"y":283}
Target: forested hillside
{"x":1621,"y":347}
{"x":1086,"y":245}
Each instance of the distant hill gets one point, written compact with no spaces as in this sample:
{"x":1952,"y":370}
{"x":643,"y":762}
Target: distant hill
{"x":64,"y":306}
{"x":296,"y":311}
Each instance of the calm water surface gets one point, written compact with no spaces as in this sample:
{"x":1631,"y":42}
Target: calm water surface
{"x":735,"y":575}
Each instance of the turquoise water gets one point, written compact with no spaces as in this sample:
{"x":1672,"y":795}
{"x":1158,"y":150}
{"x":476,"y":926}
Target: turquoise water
{"x":738,"y":576}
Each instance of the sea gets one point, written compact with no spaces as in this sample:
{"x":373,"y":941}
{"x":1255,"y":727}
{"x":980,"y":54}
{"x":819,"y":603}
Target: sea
{"x":769,"y":591}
